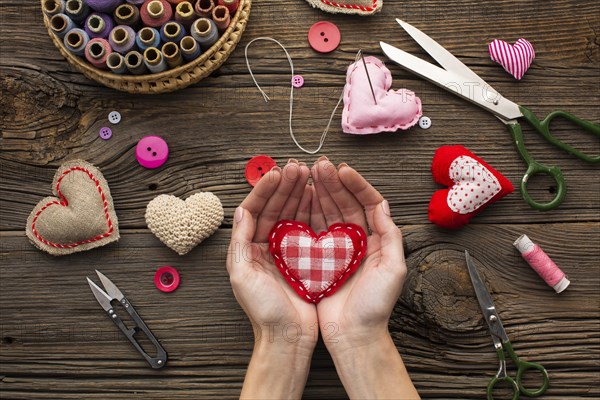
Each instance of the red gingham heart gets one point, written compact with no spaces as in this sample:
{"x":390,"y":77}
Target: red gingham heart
{"x":515,"y":59}
{"x":315,"y":266}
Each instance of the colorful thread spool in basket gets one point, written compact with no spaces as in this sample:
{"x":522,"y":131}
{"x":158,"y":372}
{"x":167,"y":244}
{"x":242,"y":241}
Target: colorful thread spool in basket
{"x":169,"y":80}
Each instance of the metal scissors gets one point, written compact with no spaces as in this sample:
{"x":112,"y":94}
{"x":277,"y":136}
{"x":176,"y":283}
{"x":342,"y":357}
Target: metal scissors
{"x":115,"y":294}
{"x":456,"y":77}
{"x":502,"y":343}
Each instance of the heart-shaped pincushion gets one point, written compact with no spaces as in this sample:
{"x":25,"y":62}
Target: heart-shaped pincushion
{"x":182,"y":225}
{"x":394,"y":110}
{"x":472,"y":185}
{"x":360,"y":7}
{"x":80,"y":217}
{"x":316,"y":265}
{"x":515,"y":59}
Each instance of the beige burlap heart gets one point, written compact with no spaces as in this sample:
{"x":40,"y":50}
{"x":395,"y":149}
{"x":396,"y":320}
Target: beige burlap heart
{"x":182,"y":225}
{"x":80,"y":217}
{"x":360,"y":7}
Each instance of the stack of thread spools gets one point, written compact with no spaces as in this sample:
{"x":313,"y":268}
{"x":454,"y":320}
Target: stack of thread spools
{"x":139,"y":36}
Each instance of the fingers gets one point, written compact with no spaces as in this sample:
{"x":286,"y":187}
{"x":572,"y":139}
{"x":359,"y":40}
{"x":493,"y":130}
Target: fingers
{"x":270,"y":213}
{"x":317,"y":219}
{"x":322,"y":172}
{"x":392,"y":250}
{"x":241,"y":237}
{"x":262,"y":192}
{"x":303,"y":213}
{"x":290,"y":207}
{"x":349,"y":207}
{"x":362,"y":190}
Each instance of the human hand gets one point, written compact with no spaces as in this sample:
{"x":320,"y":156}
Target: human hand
{"x":361,"y":308}
{"x":354,"y":320}
{"x":285,"y":326}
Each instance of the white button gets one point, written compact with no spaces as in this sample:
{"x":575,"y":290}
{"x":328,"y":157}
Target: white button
{"x":425,"y":122}
{"x":114,"y":117}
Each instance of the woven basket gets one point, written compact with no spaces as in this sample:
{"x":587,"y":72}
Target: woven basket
{"x":172,"y":79}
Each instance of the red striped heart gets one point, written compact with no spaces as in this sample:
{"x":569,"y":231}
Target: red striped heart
{"x":515,"y":59}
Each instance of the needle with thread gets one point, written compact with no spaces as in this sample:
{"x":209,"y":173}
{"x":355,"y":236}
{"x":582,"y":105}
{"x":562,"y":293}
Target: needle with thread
{"x":368,"y":76}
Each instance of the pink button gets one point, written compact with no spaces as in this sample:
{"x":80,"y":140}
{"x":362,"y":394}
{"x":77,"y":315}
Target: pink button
{"x":152,"y":152}
{"x":166,"y":279}
{"x":324,"y":37}
{"x":298,"y":81}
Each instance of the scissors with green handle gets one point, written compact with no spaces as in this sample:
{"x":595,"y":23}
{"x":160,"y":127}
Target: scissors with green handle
{"x":502,"y":343}
{"x":460,"y":79}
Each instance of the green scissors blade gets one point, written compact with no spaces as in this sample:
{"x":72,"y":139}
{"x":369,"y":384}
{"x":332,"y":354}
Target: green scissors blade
{"x":487,"y":305}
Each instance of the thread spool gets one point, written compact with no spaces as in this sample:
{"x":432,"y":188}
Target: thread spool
{"x":97,"y":51}
{"x":221,"y":17}
{"x":172,"y":32}
{"x":184,"y":14}
{"x":190,"y":49}
{"x":205,"y":32}
{"x":135,"y":2}
{"x":122,"y":39}
{"x":126,"y":14}
{"x":232,"y":5}
{"x":154,"y":60}
{"x":155,"y":13}
{"x":104,"y":6}
{"x":175,"y":2}
{"x":98,"y":25}
{"x":542,"y":264}
{"x":76,"y":40}
{"x":77,"y":10}
{"x":147,"y":37}
{"x":172,"y":54}
{"x":53,"y":7}
{"x":204,"y":8}
{"x":60,"y":24}
{"x":116,"y":63}
{"x":134,"y":62}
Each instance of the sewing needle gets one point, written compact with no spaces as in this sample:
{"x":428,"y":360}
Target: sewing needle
{"x":368,"y":76}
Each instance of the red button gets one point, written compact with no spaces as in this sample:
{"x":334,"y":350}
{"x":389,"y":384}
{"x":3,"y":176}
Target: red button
{"x":324,"y":37}
{"x":166,"y":279}
{"x":257,"y":167}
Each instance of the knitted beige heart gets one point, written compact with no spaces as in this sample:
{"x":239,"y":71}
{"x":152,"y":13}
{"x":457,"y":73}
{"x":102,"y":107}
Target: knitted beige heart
{"x":360,"y":7}
{"x":182,"y":225}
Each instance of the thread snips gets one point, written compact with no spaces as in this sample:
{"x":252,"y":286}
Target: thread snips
{"x":113,"y":293}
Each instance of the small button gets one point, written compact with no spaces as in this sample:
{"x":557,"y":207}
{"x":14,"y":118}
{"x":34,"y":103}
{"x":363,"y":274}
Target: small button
{"x":324,"y":37}
{"x":166,"y":279}
{"x":257,"y":167}
{"x":298,"y":81}
{"x":425,"y":122}
{"x":152,"y":152}
{"x":114,"y":117}
{"x":105,"y":133}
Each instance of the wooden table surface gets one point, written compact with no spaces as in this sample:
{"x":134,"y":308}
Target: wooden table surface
{"x":57,"y":343}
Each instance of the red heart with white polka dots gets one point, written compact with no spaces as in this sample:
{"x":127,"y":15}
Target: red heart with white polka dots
{"x":472,"y":185}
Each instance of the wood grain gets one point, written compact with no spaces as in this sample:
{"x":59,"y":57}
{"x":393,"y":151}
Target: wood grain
{"x":55,"y":342}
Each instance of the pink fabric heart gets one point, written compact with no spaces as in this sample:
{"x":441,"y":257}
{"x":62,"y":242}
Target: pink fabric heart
{"x":515,"y":59}
{"x":394,"y":110}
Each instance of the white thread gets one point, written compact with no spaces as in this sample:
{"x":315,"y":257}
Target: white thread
{"x":324,"y":134}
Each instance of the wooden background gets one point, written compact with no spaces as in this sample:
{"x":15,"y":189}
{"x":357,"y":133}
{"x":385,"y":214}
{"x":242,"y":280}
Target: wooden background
{"x":56,"y":342}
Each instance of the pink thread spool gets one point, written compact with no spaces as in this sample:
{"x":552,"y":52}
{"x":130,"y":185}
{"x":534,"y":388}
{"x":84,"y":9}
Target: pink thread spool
{"x":542,"y":264}
{"x":221,"y":17}
{"x":232,"y":5}
{"x":97,"y":51}
{"x":156,"y":13}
